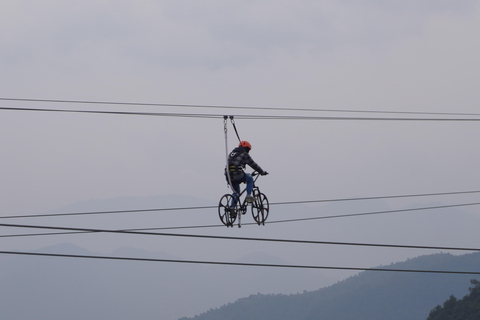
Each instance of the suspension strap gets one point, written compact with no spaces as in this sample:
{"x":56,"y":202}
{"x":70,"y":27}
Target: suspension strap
{"x":227,"y":172}
{"x":234,"y":127}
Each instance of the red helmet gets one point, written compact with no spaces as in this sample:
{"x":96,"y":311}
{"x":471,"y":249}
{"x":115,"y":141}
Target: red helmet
{"x":245,"y":144}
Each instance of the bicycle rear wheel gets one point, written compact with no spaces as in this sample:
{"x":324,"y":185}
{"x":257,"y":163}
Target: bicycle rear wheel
{"x":260,"y":208}
{"x":227,"y":214}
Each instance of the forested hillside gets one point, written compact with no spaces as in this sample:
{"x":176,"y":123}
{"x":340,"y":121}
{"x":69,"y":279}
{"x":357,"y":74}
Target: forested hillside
{"x":467,"y":308}
{"x":366,"y":296}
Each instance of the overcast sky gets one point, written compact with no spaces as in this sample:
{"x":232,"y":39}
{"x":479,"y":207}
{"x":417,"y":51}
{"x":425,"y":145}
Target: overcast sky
{"x":409,"y":56}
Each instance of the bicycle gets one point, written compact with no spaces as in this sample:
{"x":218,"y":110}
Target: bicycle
{"x":259,"y":206}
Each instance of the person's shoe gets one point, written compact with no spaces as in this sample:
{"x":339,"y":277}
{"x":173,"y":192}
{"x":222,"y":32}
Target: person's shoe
{"x":249,"y":199}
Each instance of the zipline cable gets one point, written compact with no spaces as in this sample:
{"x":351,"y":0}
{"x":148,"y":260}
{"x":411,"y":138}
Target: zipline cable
{"x":217,"y":237}
{"x":243,"y":264}
{"x":216,"y":206}
{"x":378,"y":212}
{"x":245,"y":117}
{"x":270,"y":222}
{"x":235,"y":107}
{"x":158,"y":114}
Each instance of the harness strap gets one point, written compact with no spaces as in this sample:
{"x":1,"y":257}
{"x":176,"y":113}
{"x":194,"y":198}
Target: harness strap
{"x":234,"y":127}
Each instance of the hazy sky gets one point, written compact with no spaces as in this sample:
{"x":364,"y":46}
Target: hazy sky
{"x":416,"y":56}
{"x":401,"y":56}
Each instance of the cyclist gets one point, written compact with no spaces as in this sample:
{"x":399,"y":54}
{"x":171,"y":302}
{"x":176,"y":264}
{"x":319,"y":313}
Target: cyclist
{"x":237,"y":160}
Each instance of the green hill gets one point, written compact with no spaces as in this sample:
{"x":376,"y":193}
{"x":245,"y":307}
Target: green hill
{"x":367,"y":296}
{"x":468,"y":308}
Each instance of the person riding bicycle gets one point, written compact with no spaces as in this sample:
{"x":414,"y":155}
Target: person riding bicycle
{"x":237,"y":160}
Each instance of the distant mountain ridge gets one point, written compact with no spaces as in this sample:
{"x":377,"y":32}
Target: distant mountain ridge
{"x":366,"y":296}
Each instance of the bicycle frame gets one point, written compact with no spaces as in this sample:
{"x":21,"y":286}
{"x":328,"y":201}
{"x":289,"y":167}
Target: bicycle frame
{"x":244,"y":203}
